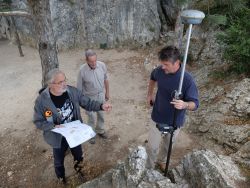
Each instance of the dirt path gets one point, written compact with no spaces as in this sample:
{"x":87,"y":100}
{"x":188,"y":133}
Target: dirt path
{"x":26,"y":160}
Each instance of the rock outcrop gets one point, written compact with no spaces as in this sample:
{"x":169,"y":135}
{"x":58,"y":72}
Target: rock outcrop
{"x":225,"y":121}
{"x":201,"y":168}
{"x":206,"y":169}
{"x":131,"y":174}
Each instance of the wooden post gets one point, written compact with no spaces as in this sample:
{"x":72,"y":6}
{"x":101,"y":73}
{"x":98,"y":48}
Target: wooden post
{"x":17,"y":36}
{"x":11,"y":14}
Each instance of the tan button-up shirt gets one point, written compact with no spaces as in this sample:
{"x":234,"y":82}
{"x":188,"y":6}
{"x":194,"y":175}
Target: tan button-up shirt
{"x":91,"y":81}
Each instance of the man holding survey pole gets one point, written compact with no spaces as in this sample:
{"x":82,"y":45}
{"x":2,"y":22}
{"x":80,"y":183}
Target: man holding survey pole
{"x":56,"y":105}
{"x":167,"y":77}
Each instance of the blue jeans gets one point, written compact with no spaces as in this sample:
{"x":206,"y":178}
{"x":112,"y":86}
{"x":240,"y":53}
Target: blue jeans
{"x":59,"y":154}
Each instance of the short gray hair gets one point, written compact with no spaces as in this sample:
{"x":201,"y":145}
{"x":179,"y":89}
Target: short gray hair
{"x":51,"y":75}
{"x":89,"y":53}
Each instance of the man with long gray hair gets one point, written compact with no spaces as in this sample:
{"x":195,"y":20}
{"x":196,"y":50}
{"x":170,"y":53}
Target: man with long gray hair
{"x":93,"y":82}
{"x":57,"y":104}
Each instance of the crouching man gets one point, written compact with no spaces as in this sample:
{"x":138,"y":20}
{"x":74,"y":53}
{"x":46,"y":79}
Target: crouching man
{"x":57,"y":104}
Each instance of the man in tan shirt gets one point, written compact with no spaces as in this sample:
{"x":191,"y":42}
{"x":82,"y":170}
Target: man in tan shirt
{"x":93,"y":82}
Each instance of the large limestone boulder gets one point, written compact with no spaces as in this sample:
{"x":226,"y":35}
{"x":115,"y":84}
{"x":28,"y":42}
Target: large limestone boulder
{"x":206,"y":169}
{"x":198,"y":169}
{"x":131,"y":174}
{"x":136,"y":166}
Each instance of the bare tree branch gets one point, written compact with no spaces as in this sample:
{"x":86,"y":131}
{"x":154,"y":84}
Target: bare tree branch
{"x":16,"y":13}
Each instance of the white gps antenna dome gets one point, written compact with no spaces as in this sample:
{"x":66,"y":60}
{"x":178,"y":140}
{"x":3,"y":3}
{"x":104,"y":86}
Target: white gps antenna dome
{"x":192,"y":17}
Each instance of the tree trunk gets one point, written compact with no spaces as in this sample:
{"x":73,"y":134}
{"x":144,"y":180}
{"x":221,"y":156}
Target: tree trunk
{"x":45,"y":37}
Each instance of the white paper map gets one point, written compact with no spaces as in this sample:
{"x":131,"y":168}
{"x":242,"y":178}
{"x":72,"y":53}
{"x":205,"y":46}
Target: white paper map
{"x":75,"y":133}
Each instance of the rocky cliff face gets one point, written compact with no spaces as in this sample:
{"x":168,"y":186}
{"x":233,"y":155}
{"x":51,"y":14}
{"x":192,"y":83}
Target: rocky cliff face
{"x":121,"y":21}
{"x":224,"y":112}
{"x":96,"y":23}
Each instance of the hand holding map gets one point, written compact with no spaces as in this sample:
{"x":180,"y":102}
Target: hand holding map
{"x":75,"y":133}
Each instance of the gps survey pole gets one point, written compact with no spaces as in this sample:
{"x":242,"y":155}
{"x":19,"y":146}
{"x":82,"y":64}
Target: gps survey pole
{"x":191,"y":17}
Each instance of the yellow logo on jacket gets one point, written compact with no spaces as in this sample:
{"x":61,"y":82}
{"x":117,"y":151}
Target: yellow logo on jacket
{"x":48,"y":113}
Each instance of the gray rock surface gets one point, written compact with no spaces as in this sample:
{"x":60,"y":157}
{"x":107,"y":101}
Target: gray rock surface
{"x":136,"y":166}
{"x":4,"y":28}
{"x":220,"y":113}
{"x":131,"y":173}
{"x":242,"y":156}
{"x":97,"y":23}
{"x":231,"y":136}
{"x":244,"y":151}
{"x":239,"y":98}
{"x":68,"y":23}
{"x":104,"y":181}
{"x":24,"y":26}
{"x":201,"y":168}
{"x":206,"y":169}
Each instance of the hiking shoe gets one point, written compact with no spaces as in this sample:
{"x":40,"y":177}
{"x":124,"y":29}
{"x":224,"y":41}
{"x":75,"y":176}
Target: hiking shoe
{"x":103,"y":135}
{"x":78,"y":165}
{"x":92,"y":141}
{"x":62,"y":181}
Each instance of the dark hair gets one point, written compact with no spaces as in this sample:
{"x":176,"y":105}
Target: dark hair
{"x":169,"y":53}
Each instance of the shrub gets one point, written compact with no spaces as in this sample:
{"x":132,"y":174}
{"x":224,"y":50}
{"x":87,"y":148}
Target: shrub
{"x":236,"y":40}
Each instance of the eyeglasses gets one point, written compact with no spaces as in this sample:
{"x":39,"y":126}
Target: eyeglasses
{"x":61,"y":82}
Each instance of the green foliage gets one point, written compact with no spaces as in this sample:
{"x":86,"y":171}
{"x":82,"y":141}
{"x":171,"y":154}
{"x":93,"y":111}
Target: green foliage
{"x":5,"y":5}
{"x":221,"y":74}
{"x":232,"y":17}
{"x":7,"y":2}
{"x":236,"y":39}
{"x":216,"y":20}
{"x":222,"y":10}
{"x":72,"y":2}
{"x":231,"y":5}
{"x":103,"y":45}
{"x":181,"y":2}
{"x":225,"y":6}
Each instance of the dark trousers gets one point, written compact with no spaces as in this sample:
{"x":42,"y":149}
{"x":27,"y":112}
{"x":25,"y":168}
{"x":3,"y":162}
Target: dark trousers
{"x":59,"y":154}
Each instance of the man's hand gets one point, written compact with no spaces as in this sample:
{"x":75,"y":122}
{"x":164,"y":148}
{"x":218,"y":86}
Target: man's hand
{"x":106,"y":107}
{"x":106,"y":84}
{"x":150,"y":100}
{"x":179,"y":104}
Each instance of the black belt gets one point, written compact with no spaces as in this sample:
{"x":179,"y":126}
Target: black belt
{"x":165,"y":128}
